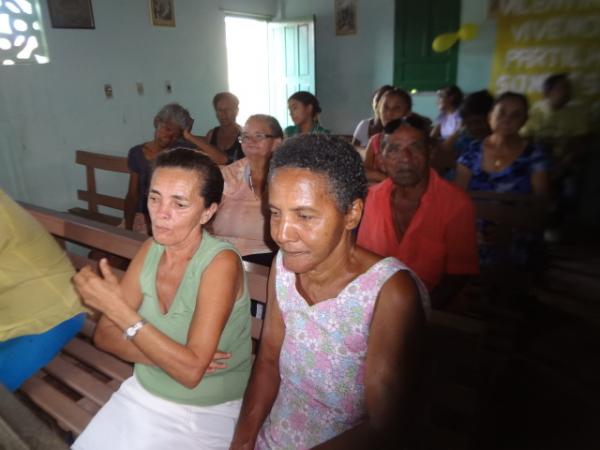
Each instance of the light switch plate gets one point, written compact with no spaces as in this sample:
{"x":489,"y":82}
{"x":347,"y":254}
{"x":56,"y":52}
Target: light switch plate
{"x":108,"y":91}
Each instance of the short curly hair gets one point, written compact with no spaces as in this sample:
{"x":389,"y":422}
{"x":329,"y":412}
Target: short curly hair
{"x":329,"y":156}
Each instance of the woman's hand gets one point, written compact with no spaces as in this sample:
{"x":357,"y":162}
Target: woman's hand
{"x":216,"y":363}
{"x":189,"y":136}
{"x":101,"y":293}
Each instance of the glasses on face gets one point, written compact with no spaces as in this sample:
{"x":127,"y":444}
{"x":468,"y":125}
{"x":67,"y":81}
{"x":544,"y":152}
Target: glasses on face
{"x":258,"y":137}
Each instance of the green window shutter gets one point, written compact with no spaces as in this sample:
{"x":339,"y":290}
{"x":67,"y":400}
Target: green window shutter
{"x":416,"y":65}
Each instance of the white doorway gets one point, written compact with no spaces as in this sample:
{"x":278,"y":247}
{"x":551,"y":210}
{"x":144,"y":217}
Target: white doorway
{"x":267,"y":61}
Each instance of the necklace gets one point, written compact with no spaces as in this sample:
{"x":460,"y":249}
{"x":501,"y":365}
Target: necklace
{"x":497,"y":163}
{"x":251,"y":183}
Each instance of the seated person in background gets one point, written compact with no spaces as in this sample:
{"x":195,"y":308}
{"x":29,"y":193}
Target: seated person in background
{"x":369,"y":127}
{"x":394,"y":104}
{"x":556,"y":122}
{"x":304,"y":111}
{"x":169,"y":123}
{"x":504,"y":162}
{"x":182,"y":297}
{"x":221,"y":143}
{"x":562,"y":127}
{"x":448,"y":122}
{"x":338,"y":357}
{"x":474,"y":112}
{"x":240,"y":219}
{"x":39,"y":309}
{"x":416,"y":216}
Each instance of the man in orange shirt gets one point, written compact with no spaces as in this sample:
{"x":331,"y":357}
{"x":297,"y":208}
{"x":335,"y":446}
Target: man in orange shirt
{"x":419,"y":218}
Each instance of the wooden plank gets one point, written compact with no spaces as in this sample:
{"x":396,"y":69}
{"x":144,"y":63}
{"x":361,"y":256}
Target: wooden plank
{"x":79,"y":380}
{"x":57,"y":404}
{"x":94,"y":198}
{"x":257,"y":277}
{"x":102,"y":161}
{"x":96,"y":216}
{"x":101,"y":361}
{"x":20,"y":429}
{"x":114,"y":240}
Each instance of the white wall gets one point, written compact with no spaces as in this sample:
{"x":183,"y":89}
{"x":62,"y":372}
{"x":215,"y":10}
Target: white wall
{"x":48,"y":111}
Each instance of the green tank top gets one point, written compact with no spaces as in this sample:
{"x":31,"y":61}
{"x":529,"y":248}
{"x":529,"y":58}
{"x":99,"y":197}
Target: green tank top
{"x":224,"y":385}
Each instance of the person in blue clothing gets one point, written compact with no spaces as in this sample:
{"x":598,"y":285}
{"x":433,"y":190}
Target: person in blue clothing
{"x":505,"y":162}
{"x":304,"y":110}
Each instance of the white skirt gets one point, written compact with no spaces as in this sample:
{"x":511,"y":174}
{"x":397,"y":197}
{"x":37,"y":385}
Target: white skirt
{"x":134,"y":419}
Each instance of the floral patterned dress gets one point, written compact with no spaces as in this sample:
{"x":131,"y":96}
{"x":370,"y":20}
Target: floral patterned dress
{"x":322,"y":361}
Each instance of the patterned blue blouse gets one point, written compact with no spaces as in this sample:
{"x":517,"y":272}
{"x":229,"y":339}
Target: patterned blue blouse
{"x":516,"y":178}
{"x":526,"y":249}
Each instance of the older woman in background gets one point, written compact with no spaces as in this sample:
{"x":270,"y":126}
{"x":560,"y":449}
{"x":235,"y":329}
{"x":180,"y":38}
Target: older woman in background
{"x":221,"y":143}
{"x":182,"y":297}
{"x":504,"y":162}
{"x":241,"y":215}
{"x":338,"y":354}
{"x":169,"y":124}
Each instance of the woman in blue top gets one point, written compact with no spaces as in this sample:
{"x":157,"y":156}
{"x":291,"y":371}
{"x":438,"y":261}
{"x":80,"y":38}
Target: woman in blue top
{"x":304,"y":111}
{"x":504,"y":162}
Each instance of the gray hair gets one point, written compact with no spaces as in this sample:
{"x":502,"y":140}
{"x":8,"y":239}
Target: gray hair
{"x":175,"y":113}
{"x":272,"y":123}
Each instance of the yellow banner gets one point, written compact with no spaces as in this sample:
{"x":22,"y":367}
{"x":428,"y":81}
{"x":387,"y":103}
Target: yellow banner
{"x":538,"y":38}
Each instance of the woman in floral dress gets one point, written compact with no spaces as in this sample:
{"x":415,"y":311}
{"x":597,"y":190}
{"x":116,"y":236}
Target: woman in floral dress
{"x":339,"y":349}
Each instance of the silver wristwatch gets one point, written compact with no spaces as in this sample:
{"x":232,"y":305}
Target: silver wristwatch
{"x":130,"y":332}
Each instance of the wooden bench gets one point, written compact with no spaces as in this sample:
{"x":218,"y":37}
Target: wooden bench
{"x":92,"y":162}
{"x":81,"y":379}
{"x":75,"y":385}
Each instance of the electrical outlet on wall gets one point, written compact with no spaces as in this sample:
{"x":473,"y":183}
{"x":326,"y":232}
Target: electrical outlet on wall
{"x":108,"y":91}
{"x":168,"y":87}
{"x":140,"y":88}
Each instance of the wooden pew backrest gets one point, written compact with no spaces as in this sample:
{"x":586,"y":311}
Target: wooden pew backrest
{"x":92,"y":162}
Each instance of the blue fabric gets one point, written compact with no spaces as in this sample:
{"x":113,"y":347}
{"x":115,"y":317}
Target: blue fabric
{"x":137,"y":162}
{"x":526,"y":246}
{"x":516,"y":178}
{"x":23,"y":356}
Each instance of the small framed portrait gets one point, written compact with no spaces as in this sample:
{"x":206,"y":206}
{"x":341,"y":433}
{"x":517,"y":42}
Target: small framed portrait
{"x":71,"y":14}
{"x":162,"y":13}
{"x":345,"y":17}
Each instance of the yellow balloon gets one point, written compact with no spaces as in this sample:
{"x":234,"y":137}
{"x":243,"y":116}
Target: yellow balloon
{"x":468,"y":31}
{"x":444,"y":41}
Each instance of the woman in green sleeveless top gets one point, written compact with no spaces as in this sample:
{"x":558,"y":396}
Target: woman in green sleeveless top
{"x":182,"y":306}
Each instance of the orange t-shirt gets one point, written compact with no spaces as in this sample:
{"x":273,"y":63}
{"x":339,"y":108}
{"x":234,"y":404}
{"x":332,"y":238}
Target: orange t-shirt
{"x":440,"y":239}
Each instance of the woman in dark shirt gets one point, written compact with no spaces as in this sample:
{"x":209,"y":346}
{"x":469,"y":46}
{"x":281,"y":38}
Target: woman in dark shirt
{"x":169,"y":124}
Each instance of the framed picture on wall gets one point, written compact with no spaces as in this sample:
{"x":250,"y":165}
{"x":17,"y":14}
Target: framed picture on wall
{"x":71,"y":14}
{"x":345,"y":17}
{"x":162,"y":13}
